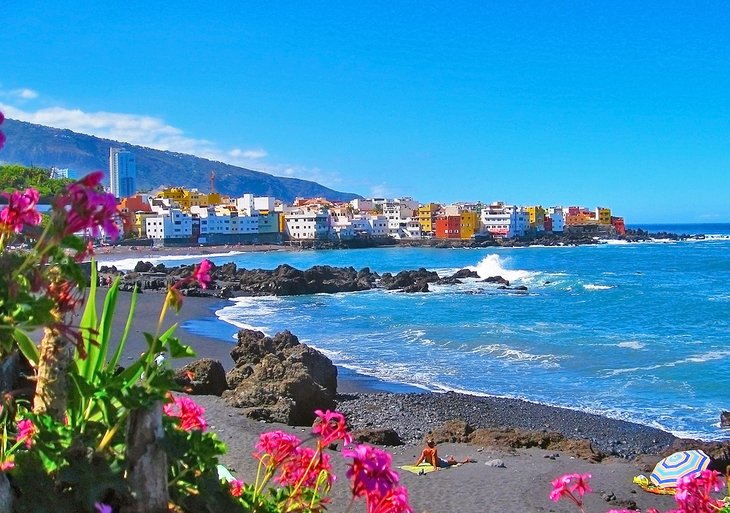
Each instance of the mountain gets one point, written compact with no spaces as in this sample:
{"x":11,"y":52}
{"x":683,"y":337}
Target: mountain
{"x":42,"y":146}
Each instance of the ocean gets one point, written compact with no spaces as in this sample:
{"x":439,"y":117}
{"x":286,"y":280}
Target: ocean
{"x":634,"y":331}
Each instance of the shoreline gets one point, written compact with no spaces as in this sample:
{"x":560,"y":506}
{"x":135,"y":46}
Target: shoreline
{"x":532,"y":415}
{"x":361,"y":392}
{"x":208,"y":326}
{"x":470,"y":488}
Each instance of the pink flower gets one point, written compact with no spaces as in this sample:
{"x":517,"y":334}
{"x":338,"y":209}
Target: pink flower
{"x":331,"y":426}
{"x":190,"y":413}
{"x":566,"y":485}
{"x":7,"y":465}
{"x":201,"y":273}
{"x":278,"y":445}
{"x":395,"y":501}
{"x":370,"y":473}
{"x":580,"y":484}
{"x":84,"y":207}
{"x":26,"y":432}
{"x":560,"y":488}
{"x":236,"y":487}
{"x":21,"y":210}
{"x":304,"y":467}
{"x":102,"y":508}
{"x":693,"y":492}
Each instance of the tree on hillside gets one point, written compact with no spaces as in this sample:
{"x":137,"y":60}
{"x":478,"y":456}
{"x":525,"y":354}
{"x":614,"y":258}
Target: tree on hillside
{"x":15,"y":177}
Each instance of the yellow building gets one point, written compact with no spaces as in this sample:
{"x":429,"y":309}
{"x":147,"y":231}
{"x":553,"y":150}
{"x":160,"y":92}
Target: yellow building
{"x":139,"y":226}
{"x":469,"y":224}
{"x":603,"y":215}
{"x":174,"y":194}
{"x":537,"y":216}
{"x":427,"y":217}
{"x":214,"y":198}
{"x":186,"y":198}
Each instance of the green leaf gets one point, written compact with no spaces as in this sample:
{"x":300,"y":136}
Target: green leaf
{"x":105,"y":324}
{"x":177,"y":349}
{"x":27,"y":346}
{"x":88,"y":327}
{"x":131,"y":374}
{"x":120,"y":347}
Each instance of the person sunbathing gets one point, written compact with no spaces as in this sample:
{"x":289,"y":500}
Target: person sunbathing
{"x":430,"y":455}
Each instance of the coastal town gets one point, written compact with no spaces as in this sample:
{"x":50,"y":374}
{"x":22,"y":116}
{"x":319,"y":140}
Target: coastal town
{"x":173,"y":215}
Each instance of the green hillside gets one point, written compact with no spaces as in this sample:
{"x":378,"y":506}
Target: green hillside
{"x":41,"y":146}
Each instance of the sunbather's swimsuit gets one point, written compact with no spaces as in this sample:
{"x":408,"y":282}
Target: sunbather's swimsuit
{"x":443,"y":463}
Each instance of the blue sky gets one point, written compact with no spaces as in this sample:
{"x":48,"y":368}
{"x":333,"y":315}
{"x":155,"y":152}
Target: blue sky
{"x":619,"y":104}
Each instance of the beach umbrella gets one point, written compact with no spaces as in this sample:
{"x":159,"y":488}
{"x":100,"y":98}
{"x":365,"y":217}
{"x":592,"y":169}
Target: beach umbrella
{"x":675,"y":466}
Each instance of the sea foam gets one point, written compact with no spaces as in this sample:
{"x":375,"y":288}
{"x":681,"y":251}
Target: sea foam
{"x":493,"y":265}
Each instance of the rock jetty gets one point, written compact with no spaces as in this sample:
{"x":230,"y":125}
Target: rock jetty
{"x":230,"y":281}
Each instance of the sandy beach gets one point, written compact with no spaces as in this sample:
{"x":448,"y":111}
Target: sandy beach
{"x":110,"y":253}
{"x":522,"y":484}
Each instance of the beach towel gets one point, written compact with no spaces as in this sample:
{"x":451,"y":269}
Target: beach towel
{"x":423,"y":468}
{"x":642,"y":482}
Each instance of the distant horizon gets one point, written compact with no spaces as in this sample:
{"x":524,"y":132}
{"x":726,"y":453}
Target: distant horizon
{"x":622,"y":104}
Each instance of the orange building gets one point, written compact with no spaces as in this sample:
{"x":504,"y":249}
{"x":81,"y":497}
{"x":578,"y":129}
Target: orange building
{"x":448,"y":227}
{"x":127,"y":209}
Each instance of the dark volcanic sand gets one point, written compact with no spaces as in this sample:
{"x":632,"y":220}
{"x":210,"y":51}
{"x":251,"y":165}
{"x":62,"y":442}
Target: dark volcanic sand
{"x":398,"y":411}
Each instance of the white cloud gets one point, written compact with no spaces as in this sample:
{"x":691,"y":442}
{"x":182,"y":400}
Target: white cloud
{"x":257,"y":153}
{"x":140,"y":130}
{"x":153,"y":132}
{"x":380,"y":190}
{"x":25,"y":94}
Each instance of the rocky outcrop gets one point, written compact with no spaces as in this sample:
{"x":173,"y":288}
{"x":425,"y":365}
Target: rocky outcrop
{"x":465,"y":273}
{"x":285,"y":280}
{"x":409,"y":281}
{"x":279,"y":379}
{"x":202,"y":377}
{"x":497,"y":279}
{"x":230,"y":281}
{"x":377,"y":436}
{"x":725,"y":419}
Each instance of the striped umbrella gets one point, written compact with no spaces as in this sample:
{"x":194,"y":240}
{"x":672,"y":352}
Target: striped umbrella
{"x":675,"y":466}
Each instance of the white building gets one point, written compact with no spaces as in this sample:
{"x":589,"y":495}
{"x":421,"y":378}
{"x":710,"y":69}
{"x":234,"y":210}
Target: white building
{"x":251,"y":204}
{"x":220,"y":219}
{"x":307,"y":225}
{"x":505,"y":220}
{"x":396,"y":211}
{"x":362,"y":205}
{"x":408,"y":228}
{"x":378,"y":225}
{"x":264,"y":203}
{"x":171,"y":224}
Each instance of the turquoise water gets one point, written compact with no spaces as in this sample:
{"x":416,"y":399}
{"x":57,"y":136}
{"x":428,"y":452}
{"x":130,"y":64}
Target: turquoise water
{"x":639,"y":332}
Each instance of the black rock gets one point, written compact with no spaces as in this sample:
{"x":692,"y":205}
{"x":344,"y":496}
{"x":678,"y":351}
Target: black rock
{"x":202,"y":377}
{"x":725,"y":419}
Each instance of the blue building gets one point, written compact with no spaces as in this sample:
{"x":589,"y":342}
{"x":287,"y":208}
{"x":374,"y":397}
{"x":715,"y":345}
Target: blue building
{"x":122,"y":172}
